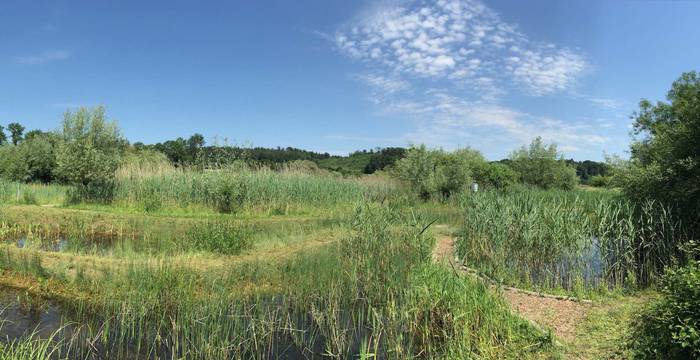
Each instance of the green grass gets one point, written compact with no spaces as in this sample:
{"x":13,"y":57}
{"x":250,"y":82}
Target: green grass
{"x":30,"y":194}
{"x":245,"y":264}
{"x":246,"y":191}
{"x":606,"y":329}
{"x":374,"y":291}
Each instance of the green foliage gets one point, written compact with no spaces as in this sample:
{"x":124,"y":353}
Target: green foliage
{"x":600,"y":181}
{"x":240,"y":189}
{"x":33,"y":160}
{"x":436,"y":173}
{"x":353,"y":164}
{"x":570,"y":240}
{"x":14,"y":192}
{"x":383,"y":159}
{"x":229,"y":194}
{"x":495,"y":175}
{"x":670,"y":327}
{"x":29,"y":198}
{"x":89,"y":154}
{"x":588,"y":169}
{"x":220,"y":237}
{"x":543,"y":166}
{"x":665,"y":163}
{"x":31,"y":347}
{"x":3,"y":136}
{"x":16,"y":131}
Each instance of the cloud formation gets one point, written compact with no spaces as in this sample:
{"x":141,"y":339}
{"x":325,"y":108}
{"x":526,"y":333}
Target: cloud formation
{"x":448,"y":64}
{"x":458,"y":40}
{"x":43,"y":58}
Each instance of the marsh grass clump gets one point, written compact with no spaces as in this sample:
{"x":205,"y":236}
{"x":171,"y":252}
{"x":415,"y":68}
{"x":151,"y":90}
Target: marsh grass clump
{"x":29,"y":198}
{"x":229,"y":194}
{"x":573,"y":241}
{"x":31,"y":347}
{"x":226,"y":237}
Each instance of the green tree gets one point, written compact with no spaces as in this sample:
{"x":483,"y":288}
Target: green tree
{"x":384,"y":158}
{"x":437,"y":173}
{"x":665,"y":161}
{"x":3,"y":137}
{"x":89,"y":154}
{"x":16,"y":131}
{"x":418,"y":170}
{"x":33,"y":160}
{"x":543,"y":166}
{"x":495,"y":175}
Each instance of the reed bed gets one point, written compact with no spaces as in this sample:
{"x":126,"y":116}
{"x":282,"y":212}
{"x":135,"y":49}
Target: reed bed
{"x":30,"y":194}
{"x":245,"y":190}
{"x":373,"y":294}
{"x":570,"y":241}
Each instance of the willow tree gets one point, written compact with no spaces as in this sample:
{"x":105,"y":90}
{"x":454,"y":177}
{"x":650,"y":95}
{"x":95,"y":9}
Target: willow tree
{"x":89,"y":154}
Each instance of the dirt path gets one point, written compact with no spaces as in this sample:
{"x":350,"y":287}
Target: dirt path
{"x":562,"y":316}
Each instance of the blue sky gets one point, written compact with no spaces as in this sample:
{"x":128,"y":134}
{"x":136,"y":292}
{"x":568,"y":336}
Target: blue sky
{"x":336,"y":76}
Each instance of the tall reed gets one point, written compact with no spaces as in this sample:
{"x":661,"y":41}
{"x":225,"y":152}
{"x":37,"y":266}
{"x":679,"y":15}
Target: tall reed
{"x":374,"y":292}
{"x":568,"y":240}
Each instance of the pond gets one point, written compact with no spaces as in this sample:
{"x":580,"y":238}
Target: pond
{"x":22,"y":314}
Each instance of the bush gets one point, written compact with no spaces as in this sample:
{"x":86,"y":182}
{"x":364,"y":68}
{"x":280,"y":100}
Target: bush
{"x":229,"y":194}
{"x":32,"y":160}
{"x":28,"y":198}
{"x":495,"y":175}
{"x":670,"y":327}
{"x":543,"y":166}
{"x":437,"y":173}
{"x":89,"y":154}
{"x":222,"y":237}
{"x":599,"y":181}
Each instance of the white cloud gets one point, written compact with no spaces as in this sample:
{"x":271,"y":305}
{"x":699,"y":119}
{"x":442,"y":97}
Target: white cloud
{"x":606,"y":103}
{"x":445,"y":119}
{"x":43,"y":58}
{"x":447,"y":65}
{"x":458,"y":40}
{"x":546,"y":70}
{"x":386,"y":85}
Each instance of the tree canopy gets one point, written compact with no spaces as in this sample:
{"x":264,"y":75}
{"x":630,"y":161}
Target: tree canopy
{"x":542,"y":165}
{"x":665,"y":160}
{"x":89,"y":152}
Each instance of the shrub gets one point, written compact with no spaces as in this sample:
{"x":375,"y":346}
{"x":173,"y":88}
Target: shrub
{"x":229,"y":194}
{"x":599,"y":181}
{"x":89,"y":154}
{"x":496,"y":175}
{"x":29,"y":198}
{"x":222,"y":236}
{"x":437,"y":173}
{"x":543,"y":166}
{"x":670,"y":327}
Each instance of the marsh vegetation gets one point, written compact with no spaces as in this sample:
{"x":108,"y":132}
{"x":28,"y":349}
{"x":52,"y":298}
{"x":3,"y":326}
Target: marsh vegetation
{"x":187,"y":251}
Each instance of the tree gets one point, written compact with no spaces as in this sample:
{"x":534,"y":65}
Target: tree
{"x":665,"y":161}
{"x":16,"y":131}
{"x":384,"y":158}
{"x":436,"y":173}
{"x":3,"y":137}
{"x":543,"y":166}
{"x":495,"y":175}
{"x":89,"y":154}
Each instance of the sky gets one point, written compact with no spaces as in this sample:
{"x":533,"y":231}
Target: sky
{"x":337,"y":75}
